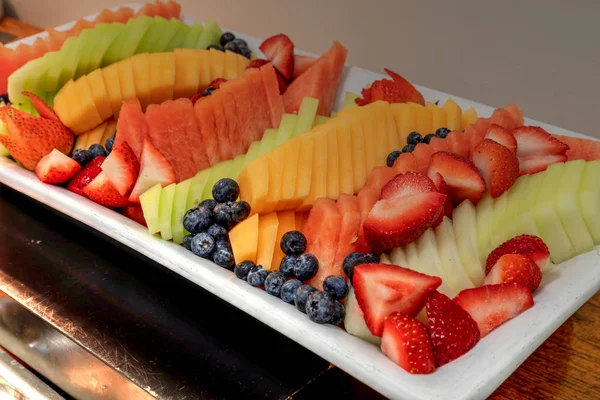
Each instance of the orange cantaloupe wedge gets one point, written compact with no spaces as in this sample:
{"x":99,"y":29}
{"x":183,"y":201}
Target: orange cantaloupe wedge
{"x":95,"y":135}
{"x":405,"y":118}
{"x":99,"y":94}
{"x":333,"y":165}
{"x":453,"y":115}
{"x":113,"y":89}
{"x":256,"y":181}
{"x":140,"y":64}
{"x":244,"y":239}
{"x":126,"y":80}
{"x":289,"y":181}
{"x":438,"y":115}
{"x":268,"y":224}
{"x":230,"y":68}
{"x":217,"y":64}
{"x":318,"y":183}
{"x":346,"y":166}
{"x":287,"y":222}
{"x":359,"y":164}
{"x":468,"y":117}
{"x":424,"y":125}
{"x":109,"y":130}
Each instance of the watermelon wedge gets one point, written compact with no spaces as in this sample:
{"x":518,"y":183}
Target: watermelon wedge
{"x":132,"y":126}
{"x":581,"y":149}
{"x":320,"y":81}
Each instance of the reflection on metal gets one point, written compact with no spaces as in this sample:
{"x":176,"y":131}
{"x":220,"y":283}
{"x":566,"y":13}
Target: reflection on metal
{"x":59,"y":359}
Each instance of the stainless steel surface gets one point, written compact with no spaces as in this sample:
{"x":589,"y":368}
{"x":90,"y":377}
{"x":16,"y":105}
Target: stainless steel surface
{"x":17,"y":382}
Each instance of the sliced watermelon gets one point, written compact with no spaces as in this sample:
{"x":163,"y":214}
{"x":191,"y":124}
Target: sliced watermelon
{"x":581,"y":149}
{"x":206,"y":122}
{"x":350,"y":226}
{"x":320,"y":81}
{"x":379,"y":176}
{"x":276,"y":107}
{"x":132,"y":126}
{"x":322,"y":231}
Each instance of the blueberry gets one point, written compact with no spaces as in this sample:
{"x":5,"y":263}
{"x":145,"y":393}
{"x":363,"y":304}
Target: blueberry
{"x":354,"y":259}
{"x":428,"y":138}
{"x":320,"y":307}
{"x":256,"y":276}
{"x":241,"y":210}
{"x":187,"y":241}
{"x":208,"y":91}
{"x":208,"y":203}
{"x":414,"y":138}
{"x":288,"y":290}
{"x":224,"y":259}
{"x":224,"y":243}
{"x":408,"y":148}
{"x":335,"y":286}
{"x":442,"y":132}
{"x":96,"y":150}
{"x":197,"y":219}
{"x":82,"y":156}
{"x":293,"y":243}
{"x":306,"y":267}
{"x":339,"y":314}
{"x":274,"y":283}
{"x":392,"y":157}
{"x":287,"y":265}
{"x":109,"y":144}
{"x":242,"y":269}
{"x":350,"y":259}
{"x":244,"y":51}
{"x":225,"y":190}
{"x":217,"y":231}
{"x":216,"y":47}
{"x":302,"y":296}
{"x":4,"y":99}
{"x":223,"y":213}
{"x":231,"y":46}
{"x":226,"y":38}
{"x":241,"y":43}
{"x":203,"y":245}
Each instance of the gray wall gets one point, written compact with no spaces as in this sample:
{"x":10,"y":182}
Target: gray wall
{"x":540,"y":54}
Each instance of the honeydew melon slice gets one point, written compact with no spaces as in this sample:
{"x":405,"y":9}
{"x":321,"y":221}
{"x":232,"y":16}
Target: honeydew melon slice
{"x":158,"y":33}
{"x":286,"y":128}
{"x":54,"y":73}
{"x":306,"y":115}
{"x":454,"y":272}
{"x":236,"y":166}
{"x":210,"y":34}
{"x":150,"y":202}
{"x":465,"y":233}
{"x":165,"y":210}
{"x":192,"y":36}
{"x":398,"y":257}
{"x":106,"y":35}
{"x":354,"y":320}
{"x":568,"y":208}
{"x":253,"y":152}
{"x":179,"y":209}
{"x":179,"y":37}
{"x":349,"y":102}
{"x":320,"y":120}
{"x":216,"y":172}
{"x":196,"y":189}
{"x":497,"y":222}
{"x":427,"y":261}
{"x":485,"y":211}
{"x":515,"y":196}
{"x":546,"y":218}
{"x":523,"y":222}
{"x":88,"y":39}
{"x":589,"y":197}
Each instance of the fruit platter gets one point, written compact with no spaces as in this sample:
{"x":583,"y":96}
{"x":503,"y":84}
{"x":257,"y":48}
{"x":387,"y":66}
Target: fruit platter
{"x":423,"y":243}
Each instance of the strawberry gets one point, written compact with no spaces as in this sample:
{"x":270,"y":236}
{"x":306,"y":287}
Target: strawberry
{"x":535,"y":164}
{"x":398,"y":221}
{"x":135,"y":213}
{"x":283,"y":83}
{"x":154,"y":168}
{"x":398,"y":90}
{"x":257,"y":63}
{"x":406,"y":184}
{"x":122,"y":167}
{"x":301,"y":64}
{"x":527,"y":245}
{"x":492,"y":305}
{"x":406,"y":342}
{"x":442,"y":187}
{"x":102,"y":191}
{"x":463,"y":179}
{"x":42,"y":107}
{"x":217,"y":83}
{"x":279,"y":49}
{"x":196,"y":97}
{"x":535,"y":141}
{"x":503,"y":136}
{"x":498,"y":165}
{"x":515,"y":268}
{"x":31,"y":138}
{"x":86,"y":175}
{"x":55,"y":167}
{"x":453,"y":331}
{"x":382,"y":289}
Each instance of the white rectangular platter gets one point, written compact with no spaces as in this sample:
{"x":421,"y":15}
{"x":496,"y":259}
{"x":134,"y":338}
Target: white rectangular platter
{"x":473,"y":376}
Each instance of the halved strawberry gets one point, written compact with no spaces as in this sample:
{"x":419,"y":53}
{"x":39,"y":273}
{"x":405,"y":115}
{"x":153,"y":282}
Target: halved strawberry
{"x":515,"y":268}
{"x":154,"y":168}
{"x":280,"y":50}
{"x":453,"y":331}
{"x":102,"y":191}
{"x":463,"y":179}
{"x":407,"y":184}
{"x":382,"y":289}
{"x":492,"y":305}
{"x":283,"y":83}
{"x":257,"y":63}
{"x":56,"y":167}
{"x":301,"y":64}
{"x":534,"y":164}
{"x":442,"y":187}
{"x":498,"y":165}
{"x":398,"y":221}
{"x":535,"y":141}
{"x":406,"y":342}
{"x":503,"y":136}
{"x":122,"y":167}
{"x":86,"y":175}
{"x":42,"y":107}
{"x":527,"y":245}
{"x":135,"y":213}
{"x":217,"y":83}
{"x":398,"y":90}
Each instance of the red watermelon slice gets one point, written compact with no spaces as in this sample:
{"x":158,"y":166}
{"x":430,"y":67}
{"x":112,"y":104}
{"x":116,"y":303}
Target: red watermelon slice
{"x":320,"y":81}
{"x":131,"y":126}
{"x":581,"y":149}
{"x":351,"y":222}
{"x":206,"y":122}
{"x":276,"y":106}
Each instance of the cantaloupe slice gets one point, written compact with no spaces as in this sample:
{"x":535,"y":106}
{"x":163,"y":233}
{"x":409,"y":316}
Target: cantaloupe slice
{"x":468,"y":117}
{"x":438,"y":115}
{"x":344,"y":151}
{"x":113,"y":89}
{"x":150,"y":202}
{"x":100,"y":97}
{"x":95,"y":135}
{"x":589,"y":196}
{"x":187,"y":78}
{"x":217,"y":61}
{"x":424,"y":120}
{"x":126,"y":79}
{"x":256,"y":189}
{"x":110,"y":128}
{"x":244,"y":239}
{"x":287,"y":223}
{"x":306,"y":146}
{"x":319,"y":174}
{"x":230,"y":69}
{"x":268,"y":224}
{"x":453,"y":115}
{"x":333,"y":164}
{"x":406,"y":120}
{"x":141,"y":74}
{"x":288,"y":199}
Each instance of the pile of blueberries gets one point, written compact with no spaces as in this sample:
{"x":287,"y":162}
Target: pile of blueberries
{"x":412,"y":140}
{"x":210,"y":222}
{"x":230,"y":42}
{"x":83,"y":156}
